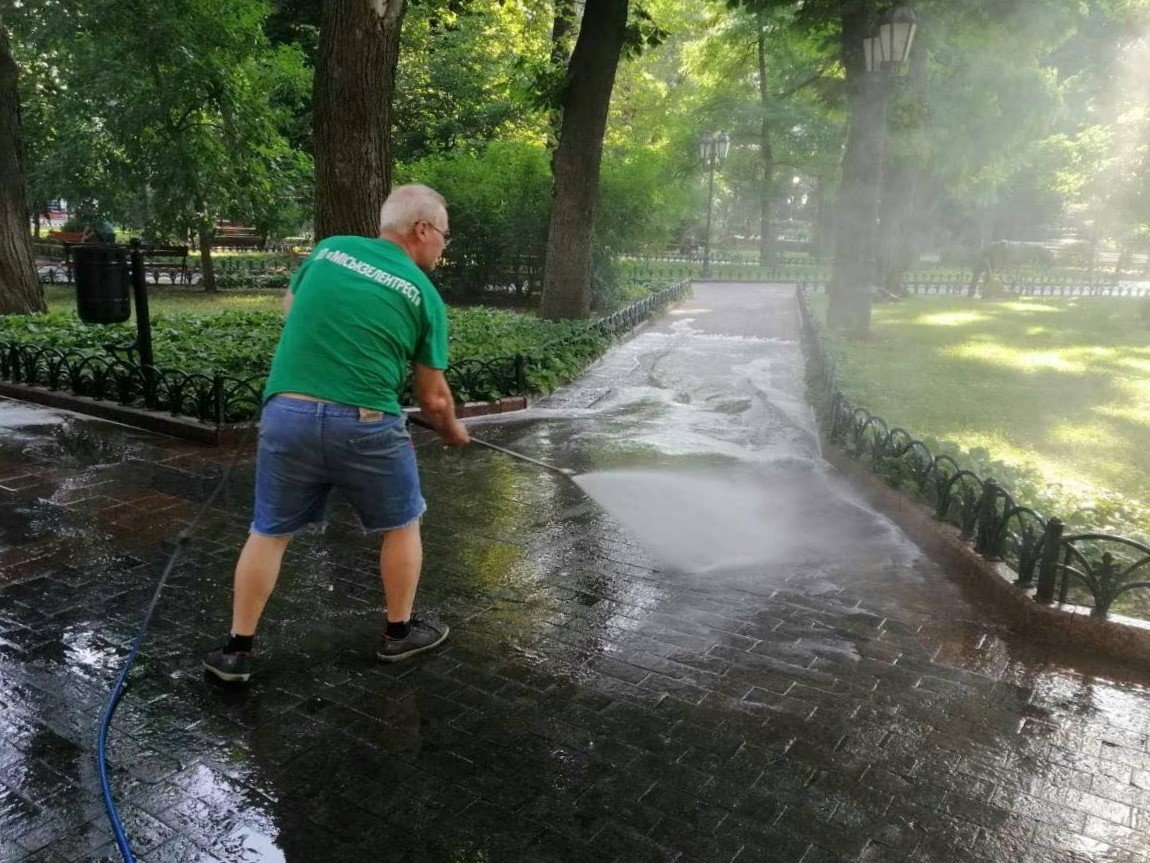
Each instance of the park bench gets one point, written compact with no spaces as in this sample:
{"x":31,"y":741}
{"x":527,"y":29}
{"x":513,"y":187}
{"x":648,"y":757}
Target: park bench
{"x":66,"y":237}
{"x":54,"y":259}
{"x":51,"y":260}
{"x":54,"y":256}
{"x":173,"y":260}
{"x":237,"y":237}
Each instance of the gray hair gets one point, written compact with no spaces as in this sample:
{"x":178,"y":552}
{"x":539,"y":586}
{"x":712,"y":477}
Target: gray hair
{"x":409,"y":204}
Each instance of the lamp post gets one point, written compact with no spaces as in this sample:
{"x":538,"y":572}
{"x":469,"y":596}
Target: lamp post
{"x":885,"y":53}
{"x":881,"y":50}
{"x":712,"y":149}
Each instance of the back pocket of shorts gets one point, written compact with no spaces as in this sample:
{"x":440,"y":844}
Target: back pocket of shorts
{"x":391,"y":437}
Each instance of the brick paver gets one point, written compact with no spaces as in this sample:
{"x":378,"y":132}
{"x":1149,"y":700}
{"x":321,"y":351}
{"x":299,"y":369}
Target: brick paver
{"x":845,"y":702}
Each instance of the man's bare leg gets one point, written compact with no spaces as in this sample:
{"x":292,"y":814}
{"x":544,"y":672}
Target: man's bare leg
{"x":400,"y":561}
{"x":256,"y":573}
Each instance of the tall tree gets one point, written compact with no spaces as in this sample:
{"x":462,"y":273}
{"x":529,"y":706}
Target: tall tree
{"x":169,"y":140}
{"x":901,"y":204}
{"x":856,"y":214}
{"x":562,"y":27}
{"x":470,"y":72}
{"x":354,"y":86}
{"x":586,"y":99}
{"x":20,"y":292}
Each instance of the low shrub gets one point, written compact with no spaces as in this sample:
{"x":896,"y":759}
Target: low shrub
{"x":241,"y":343}
{"x":250,"y":282}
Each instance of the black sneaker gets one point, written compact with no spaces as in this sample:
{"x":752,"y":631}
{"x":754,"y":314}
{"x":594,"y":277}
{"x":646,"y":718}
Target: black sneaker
{"x":423,"y":636}
{"x":229,"y":667}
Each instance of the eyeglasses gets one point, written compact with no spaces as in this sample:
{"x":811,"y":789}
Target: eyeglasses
{"x":445,"y":234}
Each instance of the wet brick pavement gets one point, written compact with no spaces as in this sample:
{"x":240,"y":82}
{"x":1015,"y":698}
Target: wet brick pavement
{"x":593,"y":704}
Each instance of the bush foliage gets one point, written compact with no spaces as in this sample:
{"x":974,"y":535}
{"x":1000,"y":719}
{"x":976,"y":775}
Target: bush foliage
{"x":499,"y":199}
{"x":241,"y":343}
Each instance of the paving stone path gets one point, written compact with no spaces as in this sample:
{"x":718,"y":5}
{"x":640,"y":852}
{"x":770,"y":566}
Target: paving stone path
{"x":829,"y":697}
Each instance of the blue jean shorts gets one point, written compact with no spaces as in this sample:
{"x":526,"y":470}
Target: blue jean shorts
{"x":308,"y":448}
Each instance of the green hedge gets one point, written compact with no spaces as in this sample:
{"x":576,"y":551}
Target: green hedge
{"x":242,"y":343}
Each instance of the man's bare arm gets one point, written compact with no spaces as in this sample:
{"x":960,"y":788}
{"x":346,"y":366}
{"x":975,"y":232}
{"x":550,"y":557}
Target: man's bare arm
{"x":437,"y":404}
{"x":289,"y":298}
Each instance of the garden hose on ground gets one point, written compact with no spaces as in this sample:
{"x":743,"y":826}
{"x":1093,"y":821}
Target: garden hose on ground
{"x":182,"y":540}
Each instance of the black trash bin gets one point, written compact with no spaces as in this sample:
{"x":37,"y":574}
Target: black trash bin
{"x":102,"y":283}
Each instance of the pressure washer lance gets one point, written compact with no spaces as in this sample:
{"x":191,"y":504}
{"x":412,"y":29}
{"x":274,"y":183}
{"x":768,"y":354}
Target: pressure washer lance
{"x":565,"y":471}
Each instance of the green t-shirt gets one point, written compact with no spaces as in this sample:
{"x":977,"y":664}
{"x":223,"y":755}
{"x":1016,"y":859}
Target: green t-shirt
{"x":362,"y":313}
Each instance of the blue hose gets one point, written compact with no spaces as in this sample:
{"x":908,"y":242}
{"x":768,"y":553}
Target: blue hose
{"x":122,"y":681}
{"x":105,"y":788}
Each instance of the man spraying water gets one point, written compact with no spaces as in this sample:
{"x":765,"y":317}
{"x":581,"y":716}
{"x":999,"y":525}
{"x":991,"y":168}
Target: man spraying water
{"x":361,"y":312}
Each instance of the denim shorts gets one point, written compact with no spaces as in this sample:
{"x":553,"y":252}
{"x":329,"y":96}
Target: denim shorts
{"x":308,"y":448}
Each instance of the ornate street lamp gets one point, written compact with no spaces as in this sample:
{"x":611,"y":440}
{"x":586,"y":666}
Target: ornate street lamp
{"x":890,"y":45}
{"x":886,"y":52}
{"x":712,"y":150}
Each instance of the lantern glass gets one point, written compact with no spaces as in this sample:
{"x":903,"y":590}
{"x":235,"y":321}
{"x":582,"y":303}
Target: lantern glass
{"x":705,"y":148}
{"x":902,"y":37}
{"x":724,"y":145}
{"x":871,"y":53}
{"x":896,"y":34}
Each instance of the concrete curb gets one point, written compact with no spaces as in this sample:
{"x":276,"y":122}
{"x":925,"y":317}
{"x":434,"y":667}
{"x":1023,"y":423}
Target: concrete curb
{"x":1123,"y":638}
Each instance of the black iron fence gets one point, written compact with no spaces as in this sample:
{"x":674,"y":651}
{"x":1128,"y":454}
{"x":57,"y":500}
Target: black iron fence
{"x":1096,"y":567}
{"x":117,"y":375}
{"x":1023,"y":285}
{"x":519,"y":278}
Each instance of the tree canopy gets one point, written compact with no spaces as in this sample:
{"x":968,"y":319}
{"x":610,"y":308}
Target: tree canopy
{"x":1025,"y":120}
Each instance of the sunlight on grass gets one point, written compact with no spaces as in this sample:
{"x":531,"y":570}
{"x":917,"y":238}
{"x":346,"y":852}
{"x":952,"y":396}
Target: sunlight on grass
{"x":1066,"y":403}
{"x":1137,"y":365}
{"x":1135,"y":406}
{"x":1079,"y":434}
{"x":1052,"y":471}
{"x":1017,"y":360}
{"x":1026,"y":306}
{"x":951,"y":319}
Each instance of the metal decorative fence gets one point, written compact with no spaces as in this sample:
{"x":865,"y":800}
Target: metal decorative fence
{"x":741,"y":269}
{"x":215,"y":398}
{"x":1019,"y":285}
{"x":1098,"y":567}
{"x":117,"y":376}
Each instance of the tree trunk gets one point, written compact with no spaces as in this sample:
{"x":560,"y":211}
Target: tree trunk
{"x":207,"y":265}
{"x":823,"y":230}
{"x":766,"y":230}
{"x":901,"y":206}
{"x":20,"y":292}
{"x":591,"y":77}
{"x":354,"y":85}
{"x":1125,"y":259}
{"x":562,"y":26}
{"x":898,"y":224}
{"x":856,"y":209}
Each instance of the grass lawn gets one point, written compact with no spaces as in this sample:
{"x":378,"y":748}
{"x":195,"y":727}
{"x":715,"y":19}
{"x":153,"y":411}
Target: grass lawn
{"x":161,"y":301}
{"x":1057,"y":390}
